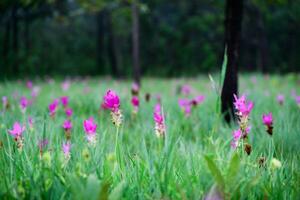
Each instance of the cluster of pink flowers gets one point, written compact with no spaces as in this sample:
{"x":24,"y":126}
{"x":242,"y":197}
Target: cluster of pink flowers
{"x":17,"y":132}
{"x":187,"y":104}
{"x":268,"y":122}
{"x":90,"y":128}
{"x":158,"y":117}
{"x":111,"y":101}
{"x":243,"y":109}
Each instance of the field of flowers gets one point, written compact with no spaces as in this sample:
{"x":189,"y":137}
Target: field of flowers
{"x":106,"y":139}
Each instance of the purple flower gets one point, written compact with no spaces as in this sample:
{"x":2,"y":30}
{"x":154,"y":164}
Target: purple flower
{"x":111,"y":101}
{"x":267,"y":119}
{"x":17,"y":130}
{"x":24,"y":103}
{"x":280,"y":99}
{"x":66,"y":147}
{"x":67,"y":125}
{"x":186,"y":89}
{"x":244,"y":108}
{"x":29,"y":84}
{"x":69,"y":112}
{"x":53,"y":107}
{"x":185,"y":104}
{"x":64,"y":101}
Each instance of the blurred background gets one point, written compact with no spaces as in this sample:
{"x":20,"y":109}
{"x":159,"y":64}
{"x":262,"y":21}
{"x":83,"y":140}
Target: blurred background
{"x":171,"y":37}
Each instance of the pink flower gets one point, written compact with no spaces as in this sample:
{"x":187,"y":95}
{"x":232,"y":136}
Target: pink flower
{"x":17,"y":130}
{"x":237,"y":134}
{"x":198,"y":99}
{"x":35,"y":91}
{"x":69,"y":112}
{"x":111,"y":101}
{"x":280,"y":99}
{"x":185,"y":104}
{"x":244,"y":108}
{"x":297,"y":100}
{"x":64,"y":101}
{"x":24,"y":103}
{"x":267,"y":119}
{"x":186,"y":90}
{"x":89,"y":126}
{"x":135,"y":89}
{"x":159,"y":121}
{"x":67,"y":125}
{"x":65,"y":85}
{"x":5,"y":102}
{"x":135,"y":101}
{"x":66,"y":147}
{"x":53,"y":107}
{"x":29,"y":84}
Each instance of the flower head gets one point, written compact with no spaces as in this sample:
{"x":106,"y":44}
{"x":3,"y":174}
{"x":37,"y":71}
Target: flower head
{"x":17,"y":130}
{"x":185,"y":104}
{"x":111,"y":101}
{"x":24,"y":103}
{"x":29,"y":84}
{"x":298,"y":100}
{"x":135,"y":102}
{"x":66,"y":147}
{"x":65,"y":85}
{"x":267,"y":119}
{"x":135,"y":89}
{"x":67,"y":125}
{"x":64,"y":101}
{"x":280,"y":99}
{"x":53,"y":107}
{"x":242,"y":106}
{"x":198,"y":99}
{"x":69,"y":112}
{"x":186,"y":89}
{"x":30,"y":122}
{"x":35,"y":91}
{"x":5,"y":102}
{"x":159,"y":121}
{"x":89,"y":126}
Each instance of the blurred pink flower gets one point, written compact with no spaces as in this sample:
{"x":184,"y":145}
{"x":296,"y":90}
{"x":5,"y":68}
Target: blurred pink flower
{"x":67,"y":125}
{"x":135,"y":88}
{"x":17,"y":130}
{"x":267,"y":119}
{"x":159,"y":121}
{"x":185,"y":104}
{"x":35,"y":91}
{"x":186,"y":89}
{"x":135,"y":103}
{"x":69,"y":112}
{"x":53,"y":107}
{"x":29,"y":84}
{"x":111,"y":101}
{"x":66,"y":147}
{"x":298,"y":100}
{"x":64,"y":101}
{"x":90,"y":129}
{"x":65,"y":85}
{"x":280,"y":99}
{"x":24,"y":103}
{"x":198,"y":99}
{"x":5,"y":102}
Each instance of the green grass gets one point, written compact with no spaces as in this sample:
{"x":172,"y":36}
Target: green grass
{"x":195,"y":154}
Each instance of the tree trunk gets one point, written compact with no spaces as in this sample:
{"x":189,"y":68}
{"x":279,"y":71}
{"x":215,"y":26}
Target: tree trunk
{"x":6,"y":41}
{"x":112,"y":52}
{"x":100,"y":39}
{"x":27,"y":32}
{"x":233,"y":24}
{"x":135,"y":43}
{"x":15,"y":45}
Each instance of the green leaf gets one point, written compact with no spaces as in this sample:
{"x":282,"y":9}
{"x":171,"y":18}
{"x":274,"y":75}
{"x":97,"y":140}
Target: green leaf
{"x":233,"y":168}
{"x":214,"y":170}
{"x":118,"y":191}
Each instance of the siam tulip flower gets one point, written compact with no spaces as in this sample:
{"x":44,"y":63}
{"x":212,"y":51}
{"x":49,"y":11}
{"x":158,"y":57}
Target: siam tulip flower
{"x":111,"y":101}
{"x":65,"y":85}
{"x":135,"y":88}
{"x":135,"y":102}
{"x":159,"y":121}
{"x":35,"y":91}
{"x":90,"y":130}
{"x":69,"y":112}
{"x":67,"y":126}
{"x":64,"y":101}
{"x":297,"y":98}
{"x":29,"y":84}
{"x":66,"y":147}
{"x":17,"y":133}
{"x":268,"y":121}
{"x":186,"y":90}
{"x":198,"y":99}
{"x":53,"y":107}
{"x":5,"y":103}
{"x":280,"y":99}
{"x":24,"y":104}
{"x":243,"y":109}
{"x":185,"y":104}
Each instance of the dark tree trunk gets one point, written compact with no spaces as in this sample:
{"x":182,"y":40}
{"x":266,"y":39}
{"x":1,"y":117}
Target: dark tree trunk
{"x":233,"y":24}
{"x":27,"y":32}
{"x":263,"y":44}
{"x":15,"y":45}
{"x":100,"y":39}
{"x":112,"y":52}
{"x":6,"y":41}
{"x":135,"y":43}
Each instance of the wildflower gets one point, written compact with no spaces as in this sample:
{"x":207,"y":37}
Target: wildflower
{"x":69,"y":112}
{"x":29,"y":84}
{"x":67,"y":126}
{"x":186,"y":90}
{"x":66,"y":147}
{"x":65,"y":85}
{"x":275,"y":164}
{"x":135,"y":102}
{"x":24,"y":103}
{"x":35,"y":91}
{"x":243,"y":109}
{"x":64,"y":101}
{"x":159,"y":121}
{"x":298,"y":100}
{"x":248,"y":148}
{"x":185,"y":104}
{"x":90,"y":130}
{"x":268,"y":121}
{"x":111,"y":101}
{"x":17,"y":132}
{"x":197,"y":100}
{"x":280,"y":99}
{"x":5,"y":103}
{"x":135,"y":88}
{"x":53,"y":107}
